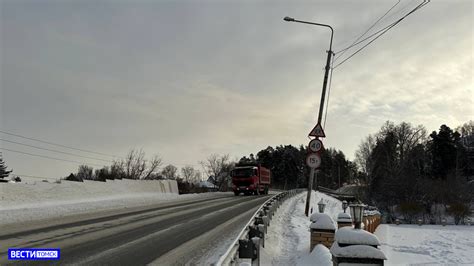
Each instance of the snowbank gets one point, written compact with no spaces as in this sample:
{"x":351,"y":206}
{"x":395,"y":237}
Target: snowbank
{"x":349,"y":235}
{"x":319,"y":256}
{"x":14,"y":195}
{"x":357,"y":251}
{"x":323,"y":221}
{"x":40,"y":200}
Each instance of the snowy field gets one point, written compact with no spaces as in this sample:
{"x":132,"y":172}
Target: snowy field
{"x":288,"y":239}
{"x":427,"y":244}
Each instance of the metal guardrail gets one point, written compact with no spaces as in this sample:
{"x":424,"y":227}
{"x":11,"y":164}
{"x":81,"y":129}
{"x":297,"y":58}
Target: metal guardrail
{"x":248,"y":242}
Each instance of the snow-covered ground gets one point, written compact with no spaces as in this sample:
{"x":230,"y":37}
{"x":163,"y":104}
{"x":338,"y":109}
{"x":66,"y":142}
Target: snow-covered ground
{"x":288,"y":238}
{"x":427,"y":244}
{"x":33,"y":200}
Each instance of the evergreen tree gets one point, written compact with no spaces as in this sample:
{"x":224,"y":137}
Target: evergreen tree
{"x":3,"y":168}
{"x":443,"y":150}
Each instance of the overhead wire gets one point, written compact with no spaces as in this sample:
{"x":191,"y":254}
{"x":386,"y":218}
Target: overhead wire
{"x":41,"y":148}
{"x":48,"y":157}
{"x":373,"y":25}
{"x":57,"y":144}
{"x":384,"y":30}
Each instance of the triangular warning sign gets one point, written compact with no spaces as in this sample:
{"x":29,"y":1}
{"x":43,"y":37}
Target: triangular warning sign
{"x":317,"y":131}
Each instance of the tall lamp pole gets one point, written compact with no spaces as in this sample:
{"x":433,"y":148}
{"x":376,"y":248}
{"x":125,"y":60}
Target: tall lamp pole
{"x":323,"y":96}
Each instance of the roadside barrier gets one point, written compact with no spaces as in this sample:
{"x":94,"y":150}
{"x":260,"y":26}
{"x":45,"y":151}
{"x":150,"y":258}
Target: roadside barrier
{"x":252,"y":237}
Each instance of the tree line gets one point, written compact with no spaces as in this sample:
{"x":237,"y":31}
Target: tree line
{"x":406,"y":170}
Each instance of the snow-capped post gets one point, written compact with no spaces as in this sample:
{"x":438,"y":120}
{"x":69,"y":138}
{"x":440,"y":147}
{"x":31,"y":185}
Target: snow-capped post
{"x":322,"y":230}
{"x":397,"y":221}
{"x":356,"y":247}
{"x":420,"y":222}
{"x":443,"y":221}
{"x":343,"y":220}
{"x":468,"y":221}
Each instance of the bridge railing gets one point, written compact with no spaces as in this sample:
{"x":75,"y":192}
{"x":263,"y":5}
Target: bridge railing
{"x":247,"y":244}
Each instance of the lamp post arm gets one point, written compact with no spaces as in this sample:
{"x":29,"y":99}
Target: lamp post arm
{"x":318,"y":24}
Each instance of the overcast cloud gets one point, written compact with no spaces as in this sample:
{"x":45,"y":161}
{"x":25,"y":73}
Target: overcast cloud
{"x":189,"y":78}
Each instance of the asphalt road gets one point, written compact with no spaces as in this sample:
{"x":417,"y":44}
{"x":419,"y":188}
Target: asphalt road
{"x":178,"y":233}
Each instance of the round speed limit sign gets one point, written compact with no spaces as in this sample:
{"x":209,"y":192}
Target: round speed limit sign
{"x":315,"y":145}
{"x":313,"y":160}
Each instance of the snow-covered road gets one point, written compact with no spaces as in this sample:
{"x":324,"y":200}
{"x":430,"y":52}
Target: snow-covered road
{"x":179,"y":232}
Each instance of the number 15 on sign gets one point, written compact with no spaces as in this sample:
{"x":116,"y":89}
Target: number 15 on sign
{"x":313,"y":160}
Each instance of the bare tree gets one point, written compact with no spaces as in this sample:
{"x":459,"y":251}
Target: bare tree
{"x":190,"y":174}
{"x":117,"y":169}
{"x":362,"y":156}
{"x":219,"y":168}
{"x":85,"y":172}
{"x":467,"y":129}
{"x":135,"y":164}
{"x":170,"y":172}
{"x":408,"y":137}
{"x":153,"y":166}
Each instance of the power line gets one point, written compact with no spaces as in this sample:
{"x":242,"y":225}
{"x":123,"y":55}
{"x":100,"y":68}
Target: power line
{"x":382,"y":29}
{"x":59,"y":145}
{"x":51,"y":158}
{"x":67,"y":153}
{"x":373,"y":25}
{"x":425,"y":2}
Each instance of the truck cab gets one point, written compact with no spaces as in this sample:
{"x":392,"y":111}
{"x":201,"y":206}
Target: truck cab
{"x":250,"y":180}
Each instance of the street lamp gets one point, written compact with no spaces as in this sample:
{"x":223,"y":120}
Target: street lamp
{"x":323,"y":95}
{"x":321,"y":206}
{"x":356,"y":213}
{"x":344,"y":205}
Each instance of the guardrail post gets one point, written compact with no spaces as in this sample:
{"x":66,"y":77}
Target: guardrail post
{"x":266,"y":222}
{"x":256,"y":244}
{"x":254,"y":231}
{"x":262,"y":228}
{"x":247,"y":249}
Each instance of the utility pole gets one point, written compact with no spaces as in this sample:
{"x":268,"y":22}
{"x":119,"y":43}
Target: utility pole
{"x":321,"y":105}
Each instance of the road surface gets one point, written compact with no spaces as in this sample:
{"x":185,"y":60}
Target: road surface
{"x":191,"y":231}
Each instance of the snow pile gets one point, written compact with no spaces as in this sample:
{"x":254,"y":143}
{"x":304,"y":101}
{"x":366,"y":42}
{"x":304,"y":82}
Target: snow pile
{"x":344,"y":218}
{"x":349,"y":235}
{"x":357,"y":251}
{"x":319,"y":256}
{"x":427,"y":244}
{"x":323,"y":221}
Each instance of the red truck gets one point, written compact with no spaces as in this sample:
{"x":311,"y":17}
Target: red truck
{"x":250,"y":179}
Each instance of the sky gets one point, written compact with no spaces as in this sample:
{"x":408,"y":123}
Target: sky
{"x":187,"y":79}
